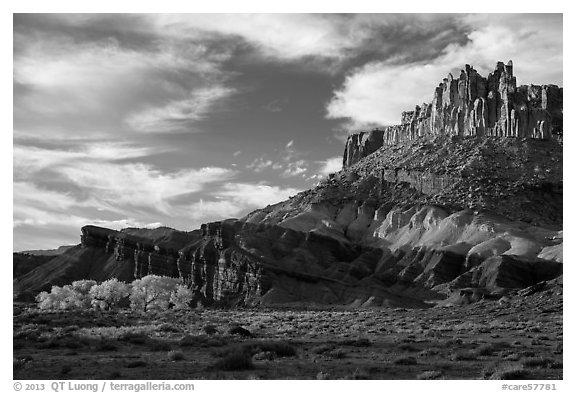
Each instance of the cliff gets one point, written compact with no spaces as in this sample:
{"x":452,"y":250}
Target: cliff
{"x":472,"y":106}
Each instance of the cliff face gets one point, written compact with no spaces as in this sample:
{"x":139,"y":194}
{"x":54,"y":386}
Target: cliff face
{"x":360,"y":145}
{"x":472,"y":105}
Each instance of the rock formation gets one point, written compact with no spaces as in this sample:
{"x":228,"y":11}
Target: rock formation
{"x":472,"y":106}
{"x":463,"y":197}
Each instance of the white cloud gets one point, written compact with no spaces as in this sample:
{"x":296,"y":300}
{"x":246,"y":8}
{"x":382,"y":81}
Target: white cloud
{"x":87,"y":86}
{"x":259,"y":164}
{"x":178,"y":114}
{"x":28,"y":194}
{"x":331,"y":165}
{"x":317,"y":35}
{"x":42,"y":218}
{"x":236,"y":199}
{"x":31,"y":159}
{"x":62,"y":62}
{"x":379,"y":91}
{"x":140,"y":185}
{"x":295,"y":168}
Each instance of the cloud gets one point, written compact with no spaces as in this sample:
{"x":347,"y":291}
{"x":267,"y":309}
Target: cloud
{"x":259,"y":164}
{"x":179,"y":114}
{"x":295,"y":168}
{"x":237,"y":199}
{"x":332,"y":37}
{"x":330,"y":165}
{"x":318,"y":35}
{"x":95,"y":181}
{"x":139,"y":184}
{"x":31,"y":159}
{"x":379,"y":91}
{"x":42,"y":218}
{"x":87,"y":83}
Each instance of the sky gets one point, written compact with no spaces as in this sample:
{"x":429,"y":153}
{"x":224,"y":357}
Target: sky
{"x":180,"y":119}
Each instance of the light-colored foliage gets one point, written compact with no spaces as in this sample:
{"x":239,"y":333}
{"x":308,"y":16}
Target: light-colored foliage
{"x":148,"y":293}
{"x":68,"y":297}
{"x":109,"y":293}
{"x":181,"y":297}
{"x":152,"y":292}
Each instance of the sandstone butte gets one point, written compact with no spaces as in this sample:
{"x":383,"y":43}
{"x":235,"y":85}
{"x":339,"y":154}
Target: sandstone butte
{"x":461,"y":201}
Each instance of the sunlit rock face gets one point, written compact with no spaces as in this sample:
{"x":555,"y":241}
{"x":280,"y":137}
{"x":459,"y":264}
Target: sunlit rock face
{"x":470,"y":105}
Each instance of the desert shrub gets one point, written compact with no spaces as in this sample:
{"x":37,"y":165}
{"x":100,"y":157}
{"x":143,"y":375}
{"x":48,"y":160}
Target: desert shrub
{"x":513,"y":372}
{"x":407,"y":347}
{"x":30,"y":332}
{"x":114,"y":375}
{"x":512,"y":356}
{"x":135,"y":364}
{"x":358,"y":374}
{"x":62,"y":342}
{"x":152,"y":293}
{"x":337,"y":353}
{"x":429,"y":352}
{"x":201,"y":341}
{"x":321,"y":376}
{"x":454,"y":341}
{"x":238,"y":359}
{"x":320,"y":349}
{"x":167,"y":328}
{"x":541,"y":363}
{"x":433,"y":374}
{"x":134,"y":338}
{"x":70,"y":328}
{"x":280,"y":348}
{"x":19,"y":364}
{"x":109,"y":293}
{"x":210,"y":329}
{"x":264,"y":356}
{"x":159,"y":346}
{"x":275,"y":348}
{"x":65,"y":370}
{"x":485,"y":350}
{"x":175,"y":355}
{"x":240,"y":331}
{"x":361,"y":342}
{"x":466,"y":355}
{"x":182,"y":297}
{"x":559,"y":349}
{"x":497,"y":370}
{"x":106,"y":345}
{"x":406,"y":360}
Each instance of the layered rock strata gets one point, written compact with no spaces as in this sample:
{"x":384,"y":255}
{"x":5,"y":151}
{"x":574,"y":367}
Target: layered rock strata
{"x":472,"y":106}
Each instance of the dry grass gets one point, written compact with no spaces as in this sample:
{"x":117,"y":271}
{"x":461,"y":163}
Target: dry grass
{"x":330,"y":343}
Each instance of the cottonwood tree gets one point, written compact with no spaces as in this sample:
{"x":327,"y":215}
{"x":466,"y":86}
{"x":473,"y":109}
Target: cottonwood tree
{"x":56,"y":299}
{"x":181,"y":297}
{"x":68,"y":297}
{"x":81,"y":289}
{"x":152,"y":292}
{"x":109,"y":293}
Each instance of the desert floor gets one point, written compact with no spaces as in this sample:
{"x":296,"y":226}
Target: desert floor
{"x":518,"y":338}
